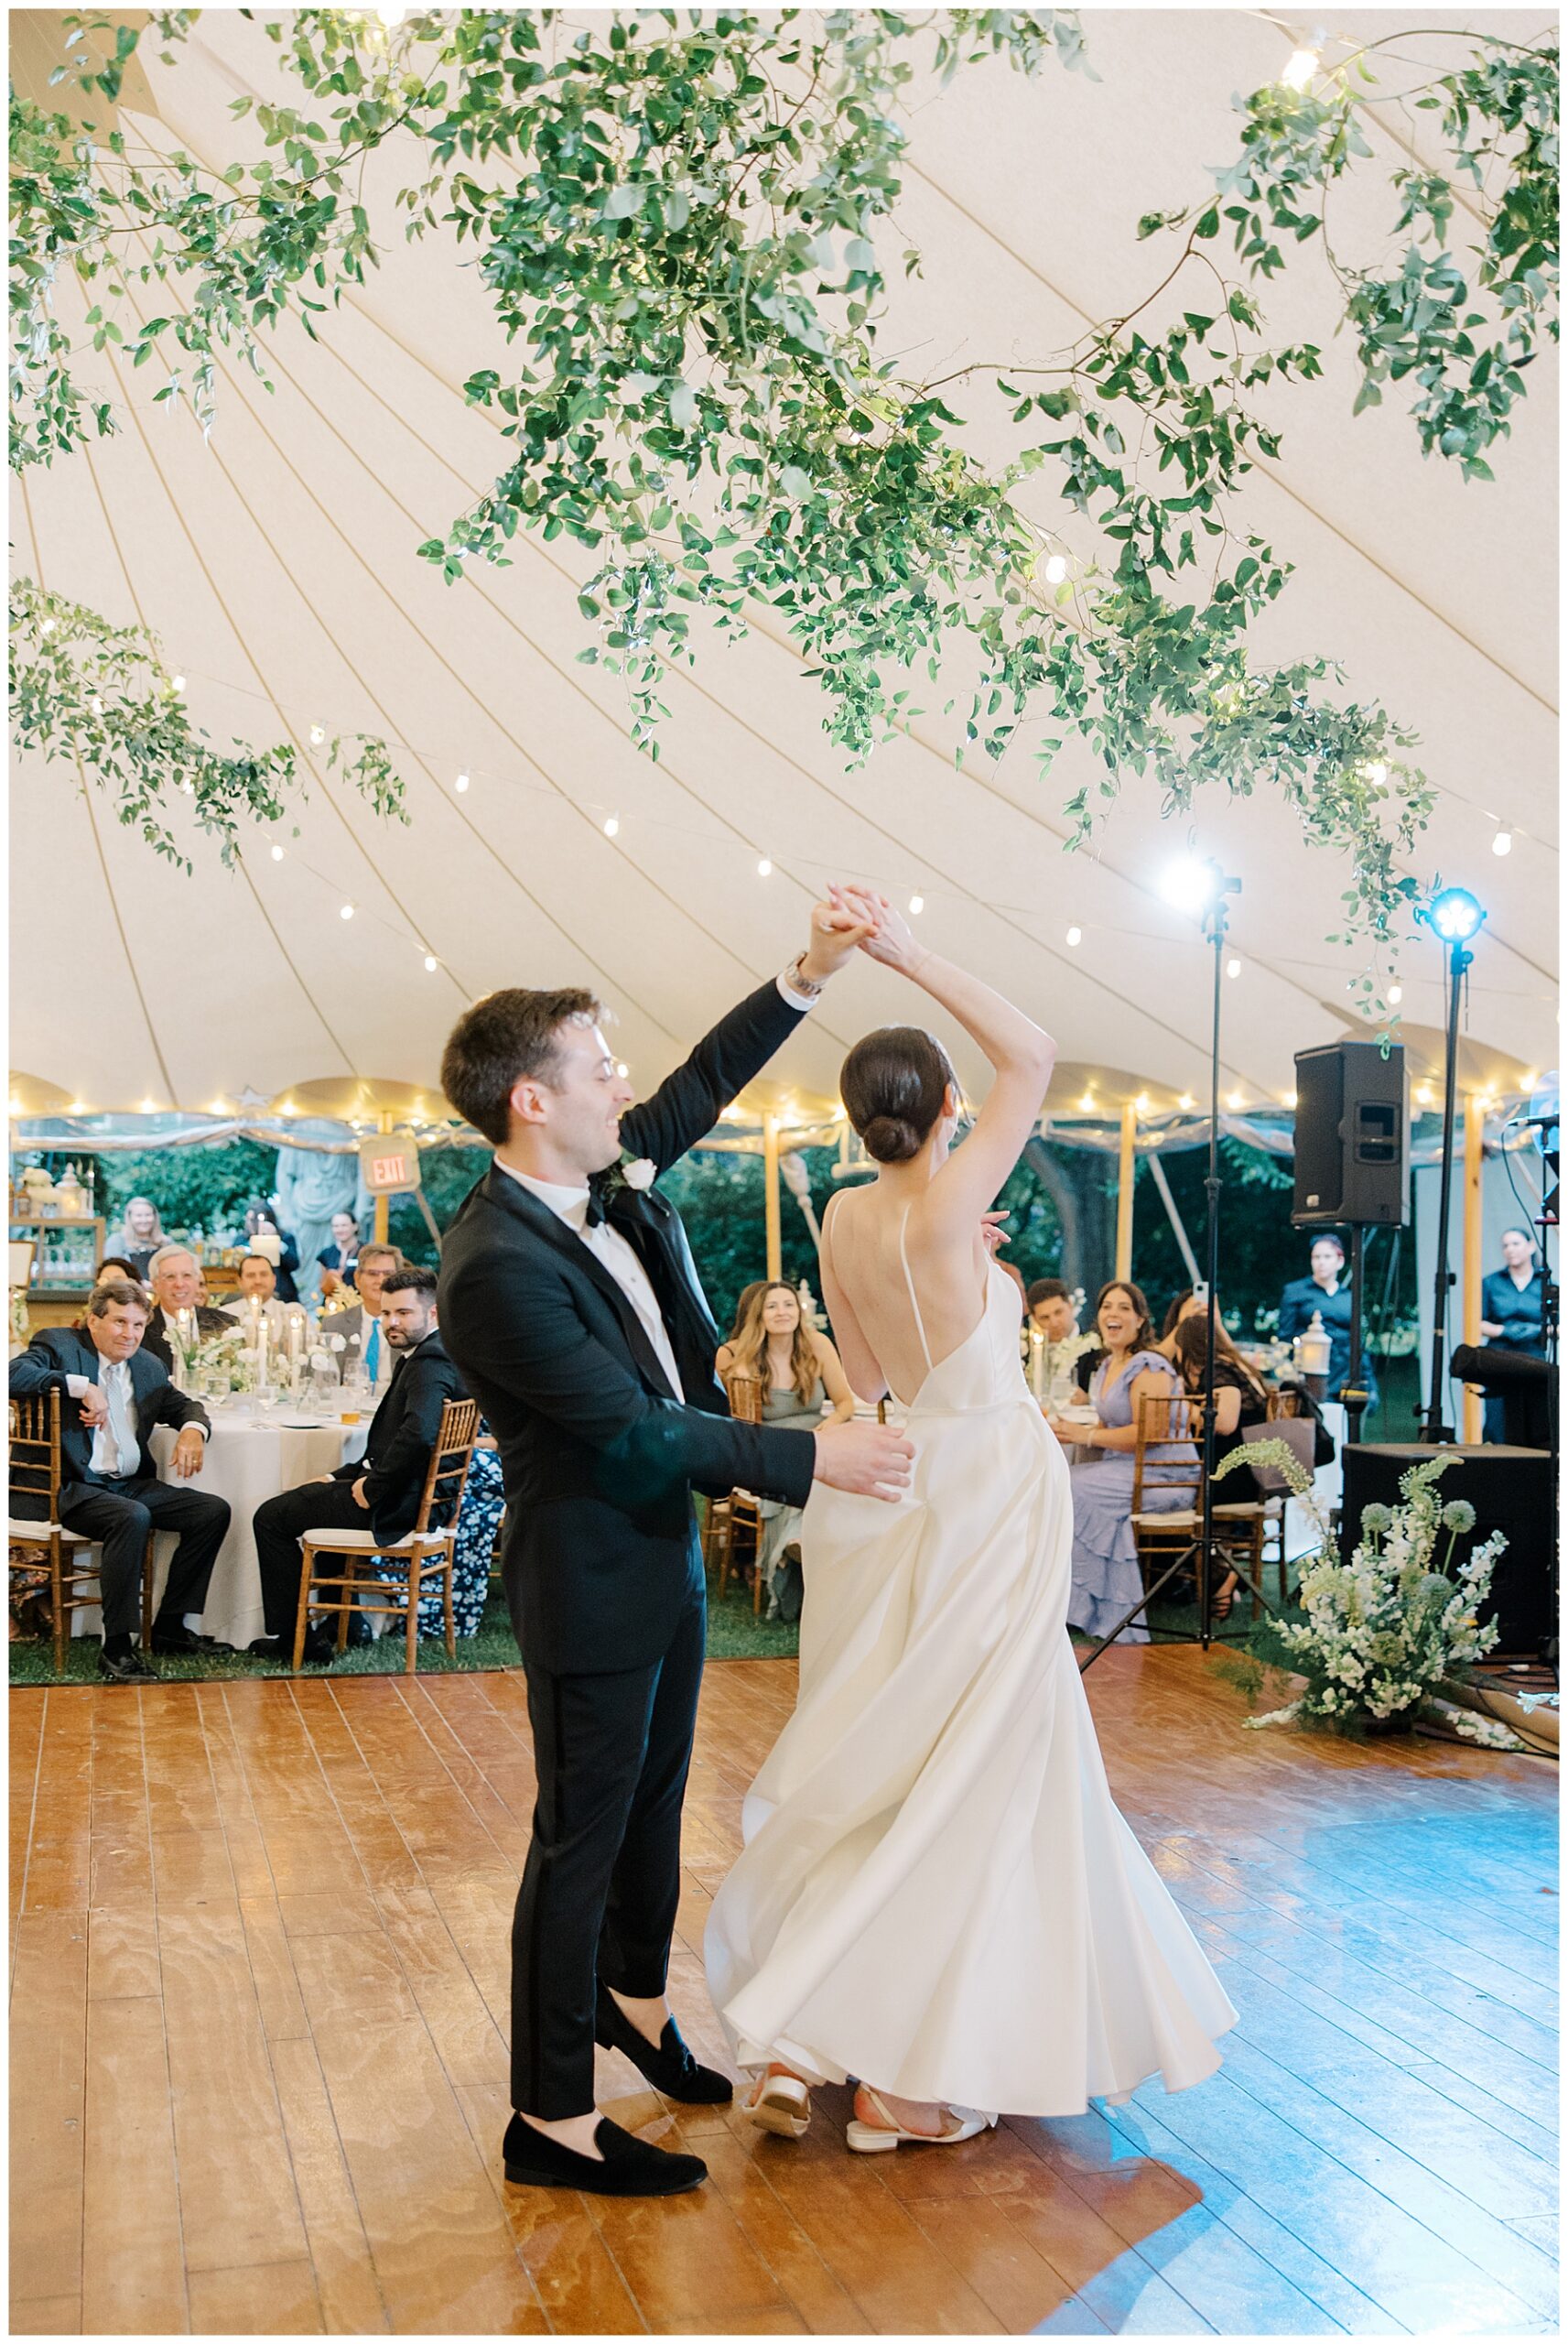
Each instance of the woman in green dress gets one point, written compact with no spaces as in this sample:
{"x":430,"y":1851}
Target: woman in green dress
{"x":775,"y":1345}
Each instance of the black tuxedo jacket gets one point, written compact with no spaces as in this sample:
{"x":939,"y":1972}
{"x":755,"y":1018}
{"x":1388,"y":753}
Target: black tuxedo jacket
{"x":209,"y":1320}
{"x":57,"y":1352}
{"x":401,"y":1436}
{"x":601,"y":1555}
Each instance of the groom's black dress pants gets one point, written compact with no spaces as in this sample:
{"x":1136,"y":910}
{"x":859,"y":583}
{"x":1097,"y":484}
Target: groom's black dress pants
{"x":603,"y":1880}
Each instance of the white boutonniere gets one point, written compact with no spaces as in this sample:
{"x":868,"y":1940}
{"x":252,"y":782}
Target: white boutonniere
{"x":638,"y":1173}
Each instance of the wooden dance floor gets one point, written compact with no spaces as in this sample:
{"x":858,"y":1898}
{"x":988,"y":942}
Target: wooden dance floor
{"x":259,"y":2075}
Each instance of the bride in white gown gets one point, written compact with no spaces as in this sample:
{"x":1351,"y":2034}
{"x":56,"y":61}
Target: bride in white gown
{"x":938,"y":1895}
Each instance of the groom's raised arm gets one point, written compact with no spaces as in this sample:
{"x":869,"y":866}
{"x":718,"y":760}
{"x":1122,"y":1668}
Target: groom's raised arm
{"x":688,"y":1102}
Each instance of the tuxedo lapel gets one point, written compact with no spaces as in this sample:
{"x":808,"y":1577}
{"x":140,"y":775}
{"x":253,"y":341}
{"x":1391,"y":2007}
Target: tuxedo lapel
{"x":504,"y":1191}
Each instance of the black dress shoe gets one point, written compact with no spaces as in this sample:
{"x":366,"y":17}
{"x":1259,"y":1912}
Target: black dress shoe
{"x":668,"y":2063}
{"x":320,"y":1651}
{"x":127,"y":1667}
{"x":625,"y":2166}
{"x":176,"y":1637}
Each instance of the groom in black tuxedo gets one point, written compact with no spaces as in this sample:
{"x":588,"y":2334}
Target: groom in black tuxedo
{"x":570,"y":1302}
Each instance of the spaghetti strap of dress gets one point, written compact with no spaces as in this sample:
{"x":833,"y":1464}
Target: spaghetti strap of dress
{"x":913,"y":1298}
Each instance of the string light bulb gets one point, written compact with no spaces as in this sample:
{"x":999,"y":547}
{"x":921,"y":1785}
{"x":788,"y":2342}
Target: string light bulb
{"x":461,"y":782}
{"x":278,"y":855}
{"x":149,"y":1107}
{"x":1075,"y":937}
{"x":1396,"y":994}
{"x":1289,"y":1099}
{"x":917,"y":904}
{"x":1503,"y":843}
{"x":1528,"y":1080}
{"x":1140,"y":1104}
{"x":1185,"y":1102}
{"x":1087,"y":1101}
{"x":611,"y":825}
{"x":765,"y":868}
{"x":347,"y":912}
{"x":1377,"y":773}
{"x":1424,"y":1092}
{"x":1055,"y":569}
{"x":1233,"y":968}
{"x":176,"y":684}
{"x":1300,"y":68}
{"x":1234,"y":1102}
{"x":622,"y":1069}
{"x":317,"y":734}
{"x":431,"y":963}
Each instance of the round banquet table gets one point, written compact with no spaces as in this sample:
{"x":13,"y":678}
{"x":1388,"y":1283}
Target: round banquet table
{"x":250,"y":1458}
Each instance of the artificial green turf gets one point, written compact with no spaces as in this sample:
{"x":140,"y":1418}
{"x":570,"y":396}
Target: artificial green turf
{"x":734,"y":1632}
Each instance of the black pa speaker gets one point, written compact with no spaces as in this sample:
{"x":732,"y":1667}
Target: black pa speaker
{"x":1510,"y":1490}
{"x":1352,"y":1137}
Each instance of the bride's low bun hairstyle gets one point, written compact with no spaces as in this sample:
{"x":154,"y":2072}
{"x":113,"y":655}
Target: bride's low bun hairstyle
{"x":894,"y":1086}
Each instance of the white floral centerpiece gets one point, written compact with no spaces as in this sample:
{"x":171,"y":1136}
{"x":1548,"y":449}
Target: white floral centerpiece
{"x":222,"y":1363}
{"x":1380,"y":1628}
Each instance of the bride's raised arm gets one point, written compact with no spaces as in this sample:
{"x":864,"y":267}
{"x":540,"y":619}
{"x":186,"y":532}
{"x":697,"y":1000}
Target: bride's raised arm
{"x":1021,"y":1053}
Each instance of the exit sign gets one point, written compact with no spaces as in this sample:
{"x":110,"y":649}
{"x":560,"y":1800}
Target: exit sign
{"x":389,"y":1164}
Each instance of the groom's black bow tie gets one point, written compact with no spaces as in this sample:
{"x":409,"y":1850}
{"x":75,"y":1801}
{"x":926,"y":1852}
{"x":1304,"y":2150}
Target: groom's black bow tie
{"x":595,"y":1206}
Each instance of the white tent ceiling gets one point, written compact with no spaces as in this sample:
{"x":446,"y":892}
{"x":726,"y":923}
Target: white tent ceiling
{"x":277,"y":564}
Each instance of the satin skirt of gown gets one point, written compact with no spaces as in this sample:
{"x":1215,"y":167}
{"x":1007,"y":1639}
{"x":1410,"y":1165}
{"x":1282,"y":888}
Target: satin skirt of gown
{"x":937,"y":1892}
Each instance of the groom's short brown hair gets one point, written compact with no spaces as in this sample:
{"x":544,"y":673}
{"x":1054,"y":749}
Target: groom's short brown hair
{"x":501,"y":1039}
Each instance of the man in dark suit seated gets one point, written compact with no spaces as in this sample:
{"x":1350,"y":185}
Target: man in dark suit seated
{"x":111,"y":1393}
{"x":380,"y":1491}
{"x":176,"y":1281}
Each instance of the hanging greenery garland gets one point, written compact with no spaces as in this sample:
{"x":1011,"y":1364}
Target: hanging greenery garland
{"x":682,"y":221}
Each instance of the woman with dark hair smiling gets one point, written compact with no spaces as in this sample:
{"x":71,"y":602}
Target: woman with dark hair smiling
{"x":1107,"y":1582}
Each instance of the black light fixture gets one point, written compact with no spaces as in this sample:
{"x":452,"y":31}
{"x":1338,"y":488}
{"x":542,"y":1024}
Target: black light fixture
{"x":1453,"y":915}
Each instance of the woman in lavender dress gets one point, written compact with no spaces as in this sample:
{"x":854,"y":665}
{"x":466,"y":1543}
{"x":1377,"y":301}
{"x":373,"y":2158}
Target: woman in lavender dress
{"x":1107,"y":1582}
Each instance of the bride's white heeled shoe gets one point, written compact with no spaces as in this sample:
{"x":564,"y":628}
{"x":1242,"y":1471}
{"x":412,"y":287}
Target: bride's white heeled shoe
{"x":780,"y":2105}
{"x":868,"y":2140}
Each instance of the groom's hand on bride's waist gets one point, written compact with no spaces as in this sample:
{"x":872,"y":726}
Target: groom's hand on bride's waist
{"x":873,"y":1460}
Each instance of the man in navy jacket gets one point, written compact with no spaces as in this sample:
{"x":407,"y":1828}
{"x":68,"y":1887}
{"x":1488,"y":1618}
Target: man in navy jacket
{"x":111,"y":1393}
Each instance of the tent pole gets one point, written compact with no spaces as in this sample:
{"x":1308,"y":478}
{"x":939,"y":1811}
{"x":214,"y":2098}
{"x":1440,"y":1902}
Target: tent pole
{"x":771,"y":1194}
{"x":1125,"y":1167}
{"x":1470,"y":1291}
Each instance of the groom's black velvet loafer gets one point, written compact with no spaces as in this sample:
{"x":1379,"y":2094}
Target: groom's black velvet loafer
{"x":668,"y":2063}
{"x":629,"y":2167}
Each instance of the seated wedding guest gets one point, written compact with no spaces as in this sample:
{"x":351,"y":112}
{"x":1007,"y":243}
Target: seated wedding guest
{"x":479,"y":1526}
{"x":258,"y":1285}
{"x":1051,"y":1309}
{"x":339,"y":1258}
{"x":115,"y":1265}
{"x":1239,"y":1400}
{"x":747,"y":1296}
{"x":1324,"y":1293}
{"x":360,"y":1325}
{"x":800,"y":1374}
{"x":139,"y":1235}
{"x":1512,"y":1304}
{"x":1107,"y":1582}
{"x":262,"y":1221}
{"x":175,"y":1285}
{"x":381,"y":1492}
{"x":112,"y":1395}
{"x":1181,"y":1306}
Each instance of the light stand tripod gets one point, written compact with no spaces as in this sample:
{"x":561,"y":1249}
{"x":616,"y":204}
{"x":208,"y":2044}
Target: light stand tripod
{"x":1455,"y":916}
{"x":1204,"y":889}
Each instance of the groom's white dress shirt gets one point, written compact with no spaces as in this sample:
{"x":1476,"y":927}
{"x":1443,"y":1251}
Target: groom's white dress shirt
{"x":617,"y":1255}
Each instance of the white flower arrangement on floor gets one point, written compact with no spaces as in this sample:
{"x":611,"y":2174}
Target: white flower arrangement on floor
{"x":1381,"y":1628}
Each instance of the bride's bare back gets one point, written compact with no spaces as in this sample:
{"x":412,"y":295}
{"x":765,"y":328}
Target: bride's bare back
{"x":878,"y":1244}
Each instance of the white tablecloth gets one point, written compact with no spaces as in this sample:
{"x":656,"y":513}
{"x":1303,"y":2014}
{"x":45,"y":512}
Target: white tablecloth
{"x":249,"y":1458}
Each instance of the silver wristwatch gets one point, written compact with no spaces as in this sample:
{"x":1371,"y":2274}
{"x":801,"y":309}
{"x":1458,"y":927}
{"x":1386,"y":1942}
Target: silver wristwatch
{"x":794,"y":978}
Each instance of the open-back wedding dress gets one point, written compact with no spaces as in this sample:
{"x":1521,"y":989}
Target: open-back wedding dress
{"x":937,"y":1893}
